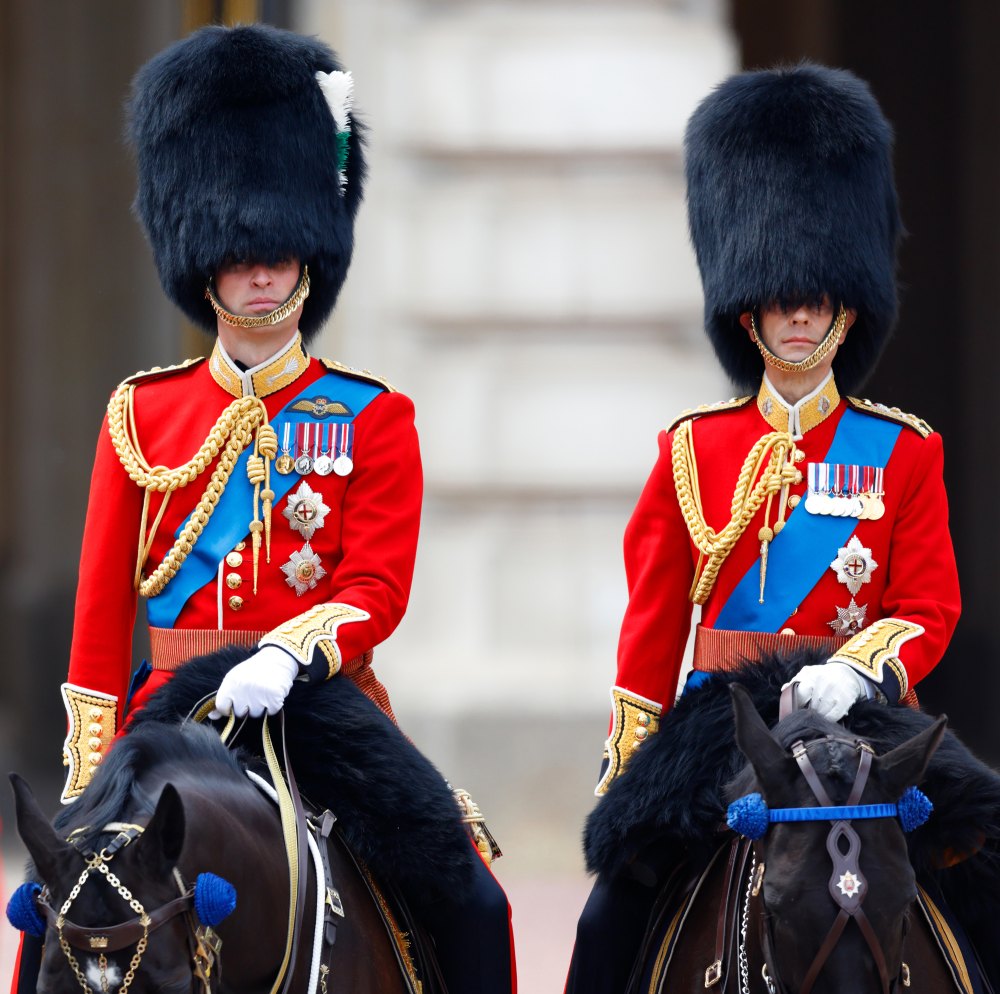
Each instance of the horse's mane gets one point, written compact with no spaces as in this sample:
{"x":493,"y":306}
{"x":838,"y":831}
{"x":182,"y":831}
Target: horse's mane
{"x":116,"y":793}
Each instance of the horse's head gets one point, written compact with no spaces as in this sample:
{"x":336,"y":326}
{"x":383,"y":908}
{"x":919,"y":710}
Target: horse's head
{"x":115,"y":913}
{"x":838,"y":887}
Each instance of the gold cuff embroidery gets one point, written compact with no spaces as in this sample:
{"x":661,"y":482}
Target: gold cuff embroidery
{"x":634,"y":719}
{"x":877,"y":647}
{"x":93,"y":720}
{"x":318,"y":625}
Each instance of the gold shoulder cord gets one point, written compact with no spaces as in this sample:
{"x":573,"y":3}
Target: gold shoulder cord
{"x":774,"y":454}
{"x":242,"y":422}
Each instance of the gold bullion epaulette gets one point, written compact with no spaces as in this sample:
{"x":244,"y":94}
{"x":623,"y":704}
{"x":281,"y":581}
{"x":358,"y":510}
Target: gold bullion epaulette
{"x":359,"y":374}
{"x":158,"y":372}
{"x":696,"y":412}
{"x":891,"y":414}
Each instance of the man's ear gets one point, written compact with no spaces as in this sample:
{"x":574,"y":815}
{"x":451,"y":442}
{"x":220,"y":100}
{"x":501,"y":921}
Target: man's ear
{"x":852,"y":316}
{"x":746,"y":322}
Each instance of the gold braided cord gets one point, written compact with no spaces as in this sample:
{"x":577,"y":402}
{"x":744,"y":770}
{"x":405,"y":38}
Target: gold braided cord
{"x":825,"y":347}
{"x":232,"y":433}
{"x":276,"y":316}
{"x":768,"y":469}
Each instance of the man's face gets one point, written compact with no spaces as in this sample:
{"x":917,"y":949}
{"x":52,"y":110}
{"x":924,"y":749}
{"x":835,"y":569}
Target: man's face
{"x":794,"y":333}
{"x":250,"y":289}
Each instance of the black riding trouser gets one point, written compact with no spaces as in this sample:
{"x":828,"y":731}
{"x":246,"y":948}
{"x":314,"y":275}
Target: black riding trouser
{"x":608,"y":935}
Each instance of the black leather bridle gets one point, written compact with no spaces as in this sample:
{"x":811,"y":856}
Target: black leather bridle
{"x":847,"y":885}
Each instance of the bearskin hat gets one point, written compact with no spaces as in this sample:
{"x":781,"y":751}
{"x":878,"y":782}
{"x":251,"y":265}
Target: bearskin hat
{"x":791,"y":196}
{"x":237,"y":152}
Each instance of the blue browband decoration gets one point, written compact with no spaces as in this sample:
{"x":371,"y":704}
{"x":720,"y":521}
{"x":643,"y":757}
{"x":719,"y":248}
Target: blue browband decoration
{"x":214,"y":899}
{"x":750,"y":816}
{"x":22,"y":912}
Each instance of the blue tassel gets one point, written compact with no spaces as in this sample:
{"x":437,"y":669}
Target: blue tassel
{"x":214,"y":899}
{"x":914,"y":808}
{"x":22,"y":912}
{"x":748,"y":816}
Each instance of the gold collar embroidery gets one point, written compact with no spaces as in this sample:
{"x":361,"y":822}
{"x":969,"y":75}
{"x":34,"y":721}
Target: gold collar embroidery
{"x":798,"y":418}
{"x":269,"y":377}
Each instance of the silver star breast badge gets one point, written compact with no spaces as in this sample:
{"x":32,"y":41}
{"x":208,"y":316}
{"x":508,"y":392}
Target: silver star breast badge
{"x":850,"y":619}
{"x":303,"y":570}
{"x":305,"y":510}
{"x":854,"y":565}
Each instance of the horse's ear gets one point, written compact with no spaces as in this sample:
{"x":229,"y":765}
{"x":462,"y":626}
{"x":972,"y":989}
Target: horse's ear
{"x":52,"y":856}
{"x":755,"y":740}
{"x":161,"y":843}
{"x":905,"y":765}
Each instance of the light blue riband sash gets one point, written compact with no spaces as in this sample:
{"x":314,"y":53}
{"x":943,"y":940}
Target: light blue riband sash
{"x":230,"y":520}
{"x":808,"y":543}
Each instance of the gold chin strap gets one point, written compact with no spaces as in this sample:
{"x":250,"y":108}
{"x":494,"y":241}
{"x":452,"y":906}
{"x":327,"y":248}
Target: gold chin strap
{"x":276,"y":316}
{"x":772,"y":459}
{"x":822,"y":350}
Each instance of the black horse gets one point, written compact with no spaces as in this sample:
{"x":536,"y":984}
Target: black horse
{"x":175,"y":818}
{"x":817,"y":906}
{"x":201,"y":815}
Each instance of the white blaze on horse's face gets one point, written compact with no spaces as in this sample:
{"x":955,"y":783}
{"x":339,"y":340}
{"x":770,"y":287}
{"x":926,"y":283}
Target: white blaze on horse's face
{"x":93,"y":973}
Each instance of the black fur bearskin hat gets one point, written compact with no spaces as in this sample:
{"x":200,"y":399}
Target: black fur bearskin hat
{"x":237,"y":151}
{"x":790,"y":196}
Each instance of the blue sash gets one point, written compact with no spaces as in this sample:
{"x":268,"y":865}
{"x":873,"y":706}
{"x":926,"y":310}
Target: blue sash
{"x":230,"y":519}
{"x":806,"y":545}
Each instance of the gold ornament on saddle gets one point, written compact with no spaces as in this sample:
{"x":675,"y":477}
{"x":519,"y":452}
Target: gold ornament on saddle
{"x":825,"y":347}
{"x":768,"y":470}
{"x":475,"y":823}
{"x":242,"y":423}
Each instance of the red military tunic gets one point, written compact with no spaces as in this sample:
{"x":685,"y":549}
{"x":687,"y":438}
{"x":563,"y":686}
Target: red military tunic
{"x":914,"y":578}
{"x":365,"y":545}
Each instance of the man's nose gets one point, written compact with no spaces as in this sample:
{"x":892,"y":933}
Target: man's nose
{"x":261,"y":276}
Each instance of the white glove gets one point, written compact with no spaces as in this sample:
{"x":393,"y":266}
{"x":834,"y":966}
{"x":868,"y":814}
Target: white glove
{"x":830,"y":688}
{"x":258,"y":684}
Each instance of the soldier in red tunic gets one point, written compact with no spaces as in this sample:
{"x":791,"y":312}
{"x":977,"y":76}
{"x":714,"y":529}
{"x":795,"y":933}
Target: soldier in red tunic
{"x":796,"y":515}
{"x":260,"y":497}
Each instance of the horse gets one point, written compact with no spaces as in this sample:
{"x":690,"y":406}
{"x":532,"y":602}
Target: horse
{"x":182,"y":823}
{"x":168,"y":814}
{"x":812,"y":906}
{"x":819,"y":889}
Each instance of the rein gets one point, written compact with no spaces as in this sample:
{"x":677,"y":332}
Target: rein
{"x":293,"y":829}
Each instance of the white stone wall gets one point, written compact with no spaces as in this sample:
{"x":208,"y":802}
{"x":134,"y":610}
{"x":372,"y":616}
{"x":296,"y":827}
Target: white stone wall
{"x":523,"y":271}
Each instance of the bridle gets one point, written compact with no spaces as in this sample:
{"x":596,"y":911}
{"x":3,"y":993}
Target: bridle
{"x":204,"y":943}
{"x":847,"y":886}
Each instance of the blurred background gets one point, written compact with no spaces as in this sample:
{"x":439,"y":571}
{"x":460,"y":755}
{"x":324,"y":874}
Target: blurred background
{"x":523,"y":272}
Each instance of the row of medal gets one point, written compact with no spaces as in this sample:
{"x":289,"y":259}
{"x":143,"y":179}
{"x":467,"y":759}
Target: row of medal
{"x":319,"y":448}
{"x":845,"y":491}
